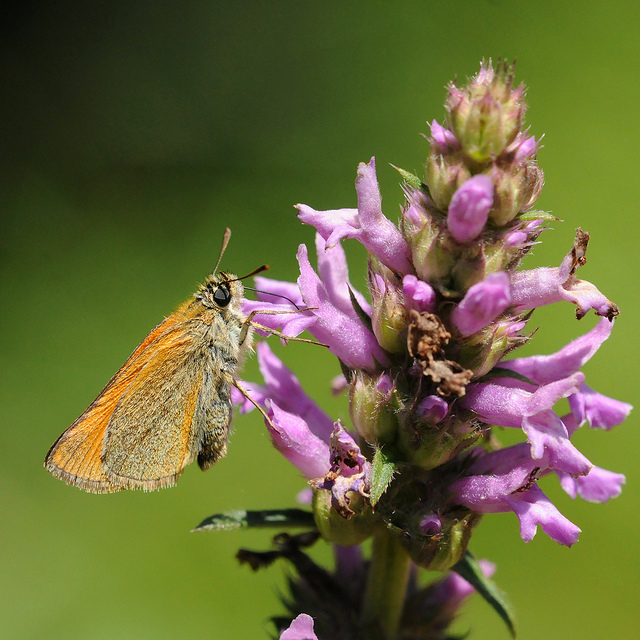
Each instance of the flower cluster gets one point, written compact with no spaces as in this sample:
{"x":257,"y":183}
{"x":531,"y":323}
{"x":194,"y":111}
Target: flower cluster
{"x":425,"y":355}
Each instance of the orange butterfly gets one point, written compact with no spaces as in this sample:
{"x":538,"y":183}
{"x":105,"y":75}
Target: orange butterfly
{"x":170,"y":401}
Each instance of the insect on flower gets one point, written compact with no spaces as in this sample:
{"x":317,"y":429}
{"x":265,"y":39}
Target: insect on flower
{"x":171,"y":400}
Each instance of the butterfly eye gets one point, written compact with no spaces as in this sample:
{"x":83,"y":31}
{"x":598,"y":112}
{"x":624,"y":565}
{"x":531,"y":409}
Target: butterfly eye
{"x":222,"y":296}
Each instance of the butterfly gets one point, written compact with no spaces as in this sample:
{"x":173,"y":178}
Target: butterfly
{"x":170,"y":402}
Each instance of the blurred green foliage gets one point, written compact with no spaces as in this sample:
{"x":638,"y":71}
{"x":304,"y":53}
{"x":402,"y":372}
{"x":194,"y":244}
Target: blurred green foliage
{"x":131,"y":134}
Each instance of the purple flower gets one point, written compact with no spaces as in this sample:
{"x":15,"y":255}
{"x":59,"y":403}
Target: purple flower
{"x":482,"y":304}
{"x":283,"y":388}
{"x":587,"y":405}
{"x":507,"y":406}
{"x":293,"y":438}
{"x":423,"y":358}
{"x":565,"y":362}
{"x":349,"y":472}
{"x":469,"y":208}
{"x":505,"y":480}
{"x":327,"y":310}
{"x":598,"y":410}
{"x":321,"y":450}
{"x":348,"y":338}
{"x":366,"y":223}
{"x":538,"y":287}
{"x":599,"y":485}
{"x":338,"y":466}
{"x":300,"y":629}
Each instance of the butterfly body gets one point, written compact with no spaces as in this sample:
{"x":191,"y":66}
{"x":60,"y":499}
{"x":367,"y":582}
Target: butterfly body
{"x":168,"y":404}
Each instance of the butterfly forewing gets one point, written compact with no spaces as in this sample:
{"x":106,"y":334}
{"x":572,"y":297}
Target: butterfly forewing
{"x":77,"y":456}
{"x":151,"y":435}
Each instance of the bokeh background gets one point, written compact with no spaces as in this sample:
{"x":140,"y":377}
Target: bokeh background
{"x":132,"y":133}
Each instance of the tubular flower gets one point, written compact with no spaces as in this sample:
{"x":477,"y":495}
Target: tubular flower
{"x":426,"y":355}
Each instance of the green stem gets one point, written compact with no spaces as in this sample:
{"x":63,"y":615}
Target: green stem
{"x":387,"y":584}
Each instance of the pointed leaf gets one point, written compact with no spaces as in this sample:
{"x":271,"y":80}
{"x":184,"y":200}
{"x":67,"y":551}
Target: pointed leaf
{"x":469,"y":569}
{"x":363,"y":316}
{"x":382,"y":469}
{"x":241,"y":519}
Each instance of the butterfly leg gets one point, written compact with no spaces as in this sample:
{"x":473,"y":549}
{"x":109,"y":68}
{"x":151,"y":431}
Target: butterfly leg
{"x":245,"y":393}
{"x":249,"y":323}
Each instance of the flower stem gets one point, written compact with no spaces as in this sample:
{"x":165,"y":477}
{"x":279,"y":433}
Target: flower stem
{"x":387,"y":584}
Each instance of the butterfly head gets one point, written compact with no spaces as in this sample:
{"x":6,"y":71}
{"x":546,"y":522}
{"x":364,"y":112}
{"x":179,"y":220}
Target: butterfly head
{"x":221,"y":291}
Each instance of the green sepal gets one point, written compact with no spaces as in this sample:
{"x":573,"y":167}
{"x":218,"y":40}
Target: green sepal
{"x":241,"y":519}
{"x":411,"y":180}
{"x":347,"y":529}
{"x":469,"y":569}
{"x":363,"y":316}
{"x":537,"y":215}
{"x":500,"y":372}
{"x":382,"y":469}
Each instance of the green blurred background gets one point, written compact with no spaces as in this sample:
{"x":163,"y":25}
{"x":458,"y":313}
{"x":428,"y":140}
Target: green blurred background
{"x":131,"y":134}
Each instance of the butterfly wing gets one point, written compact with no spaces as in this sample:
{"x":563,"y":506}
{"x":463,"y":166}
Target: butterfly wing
{"x":159,"y":423}
{"x":78,"y":456}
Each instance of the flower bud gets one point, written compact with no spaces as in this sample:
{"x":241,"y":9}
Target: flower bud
{"x":430,"y":524}
{"x":432,"y":252}
{"x":442,"y":140}
{"x":373,"y":406}
{"x":444,"y":174}
{"x":414,"y":215}
{"x":486,"y":116}
{"x":482,"y":303}
{"x":483,"y":350}
{"x":517,"y":186}
{"x":469,"y":208}
{"x":388,"y":312}
{"x":419,"y":296}
{"x":432,"y":409}
{"x":429,"y":438}
{"x":470,"y":268}
{"x":439,"y":551}
{"x":524,"y":147}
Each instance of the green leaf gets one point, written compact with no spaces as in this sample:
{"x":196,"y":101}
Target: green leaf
{"x":469,"y":569}
{"x":382,"y":469}
{"x":500,"y":372}
{"x":241,"y":519}
{"x":538,"y":215}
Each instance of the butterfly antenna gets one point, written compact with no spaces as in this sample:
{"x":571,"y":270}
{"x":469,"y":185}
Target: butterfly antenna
{"x":225,"y":242}
{"x":277,"y":295}
{"x":264,"y":267}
